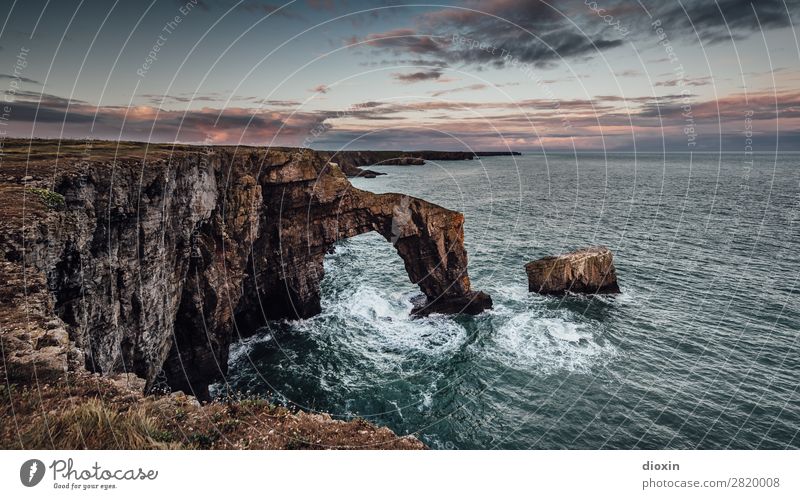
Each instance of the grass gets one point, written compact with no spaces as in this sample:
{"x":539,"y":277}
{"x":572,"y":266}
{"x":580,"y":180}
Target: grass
{"x":94,"y":424}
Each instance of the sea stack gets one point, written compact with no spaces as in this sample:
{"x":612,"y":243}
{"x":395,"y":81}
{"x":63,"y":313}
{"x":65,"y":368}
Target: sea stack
{"x":588,"y":270}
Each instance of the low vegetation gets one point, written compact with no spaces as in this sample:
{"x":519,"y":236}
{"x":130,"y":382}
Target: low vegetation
{"x":52,"y":199}
{"x":91,"y":412}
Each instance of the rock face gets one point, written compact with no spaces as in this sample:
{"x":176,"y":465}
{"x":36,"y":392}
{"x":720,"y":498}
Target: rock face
{"x":589,"y":270}
{"x":350,"y":162}
{"x":156,"y":267}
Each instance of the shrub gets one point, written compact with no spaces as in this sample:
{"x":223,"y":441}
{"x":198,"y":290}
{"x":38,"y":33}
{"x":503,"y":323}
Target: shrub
{"x":51,"y":199}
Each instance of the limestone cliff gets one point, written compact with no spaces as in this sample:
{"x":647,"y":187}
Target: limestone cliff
{"x":156,"y":258}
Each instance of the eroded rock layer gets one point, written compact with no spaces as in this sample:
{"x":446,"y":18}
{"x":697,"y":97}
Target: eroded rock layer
{"x":589,"y":270}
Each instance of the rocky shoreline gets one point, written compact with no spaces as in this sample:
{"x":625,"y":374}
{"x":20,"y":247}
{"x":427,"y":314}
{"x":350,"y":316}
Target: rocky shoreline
{"x":151,"y":259}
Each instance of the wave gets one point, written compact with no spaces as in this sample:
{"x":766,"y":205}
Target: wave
{"x":550,"y":345}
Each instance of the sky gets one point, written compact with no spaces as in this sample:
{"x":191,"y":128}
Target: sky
{"x":523,"y":75}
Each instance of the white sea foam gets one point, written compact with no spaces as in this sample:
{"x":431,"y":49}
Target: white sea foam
{"x":374,"y":328}
{"x":427,"y":401}
{"x":370,"y":304}
{"x":550,"y":344}
{"x":242,"y":348}
{"x":511,"y":292}
{"x":385,"y":321}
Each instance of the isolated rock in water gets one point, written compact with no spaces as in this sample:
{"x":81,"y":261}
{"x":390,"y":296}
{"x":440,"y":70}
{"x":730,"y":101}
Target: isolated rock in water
{"x":589,"y":270}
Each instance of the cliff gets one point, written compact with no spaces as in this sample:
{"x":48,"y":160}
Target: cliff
{"x":152,"y":259}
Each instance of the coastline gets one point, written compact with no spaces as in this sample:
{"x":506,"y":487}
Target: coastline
{"x":351,"y":161}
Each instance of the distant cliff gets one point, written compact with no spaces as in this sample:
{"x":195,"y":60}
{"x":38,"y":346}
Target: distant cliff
{"x":351,"y":161}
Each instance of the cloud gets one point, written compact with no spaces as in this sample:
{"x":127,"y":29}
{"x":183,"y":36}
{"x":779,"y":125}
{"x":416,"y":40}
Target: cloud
{"x":320,"y":89}
{"x":613,"y":120}
{"x":46,"y":100}
{"x":721,"y":20}
{"x":473,"y":87}
{"x":4,"y":76}
{"x":403,"y":62}
{"x":417,"y":77}
{"x":185,"y":98}
{"x":491,"y":32}
{"x":404,"y":40}
{"x":190,"y":97}
{"x":45,"y":116}
{"x":485,"y":14}
{"x":274,"y":102}
{"x":495,"y":32}
{"x":763,"y":105}
{"x":691,"y":82}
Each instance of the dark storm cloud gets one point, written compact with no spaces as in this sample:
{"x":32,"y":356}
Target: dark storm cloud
{"x":491,"y":32}
{"x":542,"y":33}
{"x":500,"y":51}
{"x":722,"y":20}
{"x":497,"y":16}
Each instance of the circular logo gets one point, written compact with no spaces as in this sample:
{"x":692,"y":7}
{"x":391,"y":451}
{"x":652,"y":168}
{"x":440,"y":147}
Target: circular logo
{"x":31,"y":472}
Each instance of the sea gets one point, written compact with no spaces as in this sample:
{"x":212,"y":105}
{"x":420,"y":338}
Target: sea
{"x":699,"y":351}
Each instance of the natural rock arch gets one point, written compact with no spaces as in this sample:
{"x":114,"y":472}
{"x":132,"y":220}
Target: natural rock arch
{"x":160,"y":270}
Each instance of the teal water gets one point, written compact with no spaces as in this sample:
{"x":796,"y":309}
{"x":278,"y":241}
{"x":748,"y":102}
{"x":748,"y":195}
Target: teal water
{"x":700,"y":350}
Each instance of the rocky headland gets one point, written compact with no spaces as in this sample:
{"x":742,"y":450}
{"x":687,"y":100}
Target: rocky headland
{"x":351,"y":162}
{"x":152,"y":259}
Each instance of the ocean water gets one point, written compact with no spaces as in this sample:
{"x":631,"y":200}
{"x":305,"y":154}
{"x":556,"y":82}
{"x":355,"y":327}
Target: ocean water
{"x":699,"y":351}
